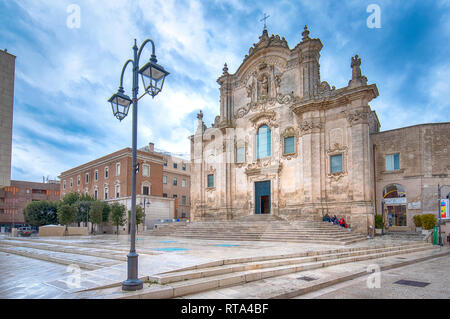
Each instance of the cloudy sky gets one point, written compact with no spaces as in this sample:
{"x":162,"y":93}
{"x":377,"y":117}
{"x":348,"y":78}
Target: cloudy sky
{"x":65,"y":75}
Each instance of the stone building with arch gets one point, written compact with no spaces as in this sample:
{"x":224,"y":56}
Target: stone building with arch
{"x":288,"y":144}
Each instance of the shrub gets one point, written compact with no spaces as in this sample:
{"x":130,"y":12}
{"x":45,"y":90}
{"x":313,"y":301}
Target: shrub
{"x":378,"y":221}
{"x":428,"y":221}
{"x":418,"y":220}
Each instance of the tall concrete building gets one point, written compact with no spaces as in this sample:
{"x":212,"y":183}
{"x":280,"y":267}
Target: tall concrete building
{"x":7,"y":69}
{"x":14,"y":198}
{"x":288,"y":144}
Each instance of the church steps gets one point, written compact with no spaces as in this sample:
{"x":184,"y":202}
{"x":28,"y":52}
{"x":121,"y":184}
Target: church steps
{"x":267,"y":235}
{"x":272,"y":263}
{"x":250,"y":228}
{"x":186,"y":283}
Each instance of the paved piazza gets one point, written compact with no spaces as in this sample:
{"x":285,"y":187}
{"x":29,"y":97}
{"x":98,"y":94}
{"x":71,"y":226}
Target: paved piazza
{"x":102,"y":262}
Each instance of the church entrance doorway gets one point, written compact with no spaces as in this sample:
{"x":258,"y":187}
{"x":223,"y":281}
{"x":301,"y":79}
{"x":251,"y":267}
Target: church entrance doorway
{"x":262,"y":197}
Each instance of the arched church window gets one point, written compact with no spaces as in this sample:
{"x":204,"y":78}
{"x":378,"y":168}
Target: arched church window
{"x":263,"y":140}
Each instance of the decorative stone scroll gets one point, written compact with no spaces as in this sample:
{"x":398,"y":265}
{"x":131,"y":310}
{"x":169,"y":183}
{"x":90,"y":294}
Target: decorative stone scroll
{"x":356,"y":117}
{"x":307,"y":127}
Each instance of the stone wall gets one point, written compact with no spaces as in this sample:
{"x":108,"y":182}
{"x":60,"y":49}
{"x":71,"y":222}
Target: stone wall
{"x":424,"y":163}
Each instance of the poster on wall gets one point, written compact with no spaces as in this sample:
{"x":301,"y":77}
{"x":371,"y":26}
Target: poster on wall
{"x":444,"y":206}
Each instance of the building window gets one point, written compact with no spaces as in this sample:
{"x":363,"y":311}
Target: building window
{"x":393,"y":162}
{"x":118,"y":169}
{"x":164,"y":179}
{"x":117,"y":191}
{"x":240,"y":155}
{"x":289,"y":145}
{"x":71,"y":183}
{"x":78,"y":180}
{"x":263,"y":140}
{"x":145,"y":170}
{"x":106,"y":172}
{"x":64,"y":186}
{"x":165,"y":162}
{"x":164,"y":195}
{"x":96,"y":175}
{"x":175,"y":165}
{"x":175,"y":196}
{"x":183,"y":200}
{"x":336,"y":163}
{"x":184,"y":167}
{"x":210,"y":180}
{"x":106,"y":192}
{"x":87,"y":178}
{"x":175,"y":182}
{"x":145,"y":190}
{"x":183,"y":183}
{"x":95,"y":194}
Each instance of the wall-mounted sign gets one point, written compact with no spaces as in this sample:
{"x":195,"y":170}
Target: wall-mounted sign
{"x":395,"y":201}
{"x":414,"y":205}
{"x":444,"y":208}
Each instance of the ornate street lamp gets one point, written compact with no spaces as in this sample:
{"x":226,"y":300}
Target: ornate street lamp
{"x":153,"y":76}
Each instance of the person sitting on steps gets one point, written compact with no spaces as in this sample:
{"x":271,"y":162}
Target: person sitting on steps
{"x":334,"y":220}
{"x":326,"y":218}
{"x":342,"y":223}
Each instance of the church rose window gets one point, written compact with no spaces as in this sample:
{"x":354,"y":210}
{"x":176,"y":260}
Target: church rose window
{"x":289,"y":145}
{"x":336,"y":163}
{"x":263,"y":142}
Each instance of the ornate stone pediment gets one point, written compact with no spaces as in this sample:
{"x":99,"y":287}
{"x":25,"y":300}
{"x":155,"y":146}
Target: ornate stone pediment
{"x":263,"y":103}
{"x":336,"y":148}
{"x":265,"y":41}
{"x":263,"y":166}
{"x":268,"y":117}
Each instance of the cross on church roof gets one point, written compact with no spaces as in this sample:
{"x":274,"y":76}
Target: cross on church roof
{"x":265,"y":18}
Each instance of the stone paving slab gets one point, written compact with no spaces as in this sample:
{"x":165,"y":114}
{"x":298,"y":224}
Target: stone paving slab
{"x":288,"y":286}
{"x":435,"y":272}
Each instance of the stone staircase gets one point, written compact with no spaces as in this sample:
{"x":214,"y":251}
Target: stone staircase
{"x":262,"y":228}
{"x":239,"y":271}
{"x":408,"y":236}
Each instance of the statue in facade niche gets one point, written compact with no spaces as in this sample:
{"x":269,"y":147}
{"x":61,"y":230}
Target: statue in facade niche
{"x":264,"y":86}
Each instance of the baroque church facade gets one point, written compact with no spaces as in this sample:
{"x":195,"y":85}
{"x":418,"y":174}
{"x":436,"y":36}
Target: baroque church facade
{"x":286,"y":143}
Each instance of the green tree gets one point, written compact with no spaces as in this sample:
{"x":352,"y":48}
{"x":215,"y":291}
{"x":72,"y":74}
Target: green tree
{"x":67,"y":214}
{"x":41,"y":213}
{"x":70,"y":199}
{"x":106,"y":212}
{"x":96,"y":214}
{"x":139,"y":217}
{"x":118,"y":215}
{"x":83,"y":207}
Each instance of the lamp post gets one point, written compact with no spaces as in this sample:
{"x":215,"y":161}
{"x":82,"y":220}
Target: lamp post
{"x":439,"y":211}
{"x":145,"y":202}
{"x":153,"y":76}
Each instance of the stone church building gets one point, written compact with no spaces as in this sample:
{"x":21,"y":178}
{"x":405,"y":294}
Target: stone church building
{"x":288,"y":144}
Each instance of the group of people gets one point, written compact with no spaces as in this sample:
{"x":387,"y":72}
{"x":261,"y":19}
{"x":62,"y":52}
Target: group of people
{"x":341,"y":222}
